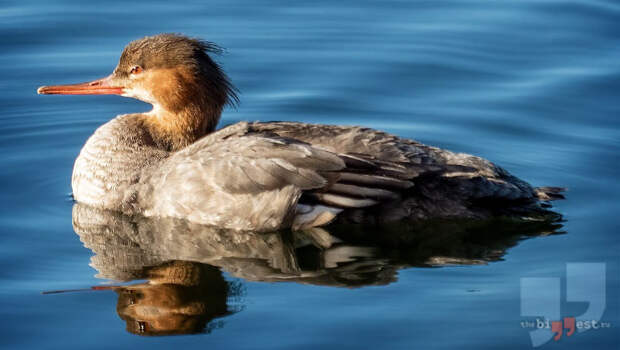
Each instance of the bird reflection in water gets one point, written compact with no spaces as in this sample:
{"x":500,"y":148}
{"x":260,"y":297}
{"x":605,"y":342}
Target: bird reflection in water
{"x":180,"y":297}
{"x":182,"y":262}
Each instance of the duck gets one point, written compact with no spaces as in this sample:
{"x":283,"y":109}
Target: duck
{"x":172,"y":161}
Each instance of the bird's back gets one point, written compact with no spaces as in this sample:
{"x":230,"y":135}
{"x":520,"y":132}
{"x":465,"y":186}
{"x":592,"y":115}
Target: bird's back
{"x":442,"y":183}
{"x":267,"y":176}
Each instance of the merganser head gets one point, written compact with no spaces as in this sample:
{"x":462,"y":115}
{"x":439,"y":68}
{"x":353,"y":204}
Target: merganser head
{"x":172,"y":72}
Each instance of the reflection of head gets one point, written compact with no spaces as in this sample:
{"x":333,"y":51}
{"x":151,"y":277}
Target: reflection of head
{"x":179,"y":298}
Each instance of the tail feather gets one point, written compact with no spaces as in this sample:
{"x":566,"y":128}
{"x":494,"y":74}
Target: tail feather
{"x":550,"y":193}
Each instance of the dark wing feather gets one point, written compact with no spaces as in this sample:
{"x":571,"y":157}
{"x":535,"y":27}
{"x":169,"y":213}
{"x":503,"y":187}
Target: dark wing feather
{"x":379,"y":160}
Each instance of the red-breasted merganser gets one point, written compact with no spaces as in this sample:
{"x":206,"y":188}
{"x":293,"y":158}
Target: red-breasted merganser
{"x":171,"y":162}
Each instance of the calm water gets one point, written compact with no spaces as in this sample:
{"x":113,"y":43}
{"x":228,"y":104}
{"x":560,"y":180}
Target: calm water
{"x":532,"y":85}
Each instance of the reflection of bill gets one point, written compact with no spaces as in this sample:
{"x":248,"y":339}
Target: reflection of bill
{"x":540,"y":297}
{"x":179,"y":298}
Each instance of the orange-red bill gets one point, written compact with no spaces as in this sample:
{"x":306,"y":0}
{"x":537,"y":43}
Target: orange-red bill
{"x":95,"y":87}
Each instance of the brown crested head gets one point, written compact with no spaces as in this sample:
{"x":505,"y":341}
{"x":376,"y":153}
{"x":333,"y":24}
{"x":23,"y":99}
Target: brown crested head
{"x":186,"y":87}
{"x":174,"y":70}
{"x":174,"y":73}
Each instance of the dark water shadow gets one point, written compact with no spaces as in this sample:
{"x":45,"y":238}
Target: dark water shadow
{"x":182,"y":262}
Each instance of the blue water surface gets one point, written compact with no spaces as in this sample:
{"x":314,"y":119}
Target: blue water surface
{"x":532,"y":85}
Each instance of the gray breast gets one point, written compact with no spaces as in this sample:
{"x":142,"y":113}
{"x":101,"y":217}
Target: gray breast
{"x":111,"y":163}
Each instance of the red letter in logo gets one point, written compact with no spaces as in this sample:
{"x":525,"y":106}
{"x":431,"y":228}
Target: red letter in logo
{"x":556,"y":327}
{"x":569,"y":323}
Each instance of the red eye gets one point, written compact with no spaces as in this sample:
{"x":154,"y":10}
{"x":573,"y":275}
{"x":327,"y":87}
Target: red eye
{"x":135,"y":70}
